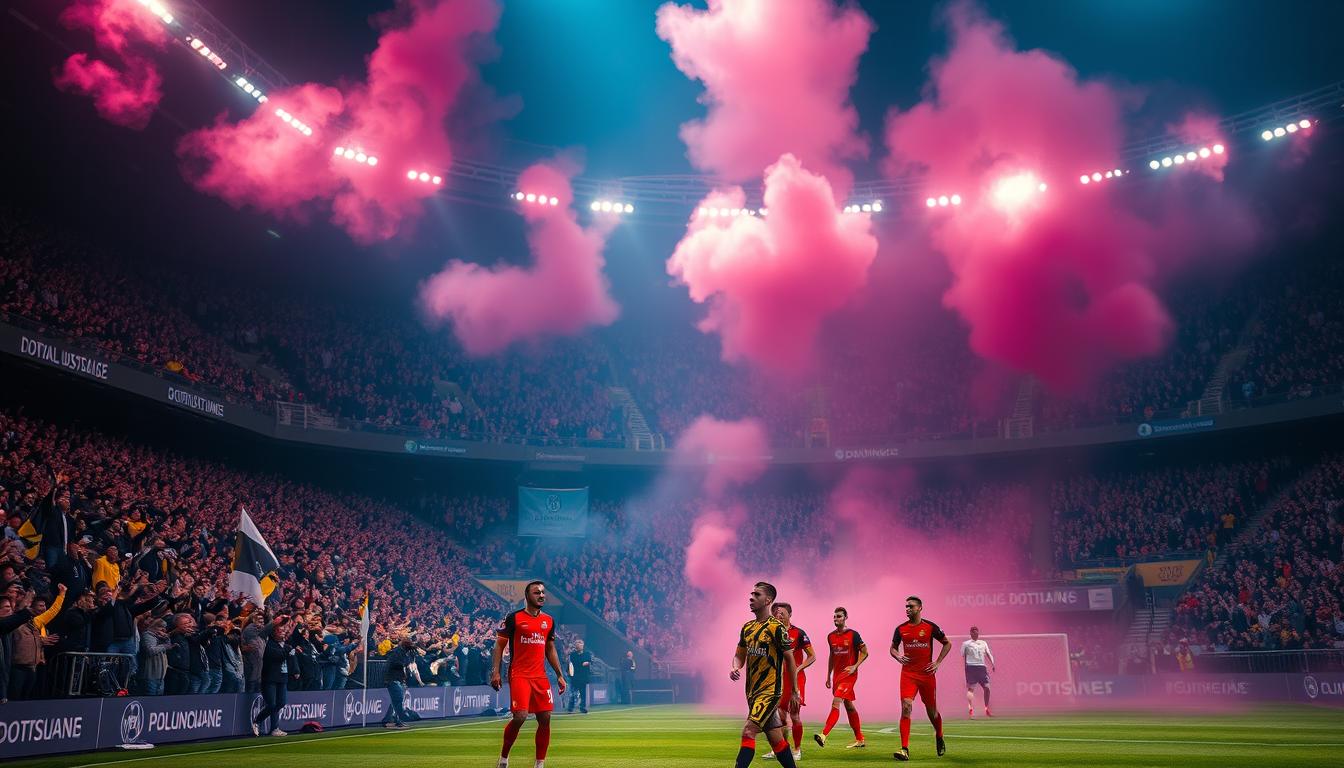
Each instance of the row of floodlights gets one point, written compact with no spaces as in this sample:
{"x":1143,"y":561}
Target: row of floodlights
{"x":610,"y":206}
{"x":294,"y":122}
{"x":873,"y":207}
{"x":1098,"y":176}
{"x":1194,"y":155}
{"x":250,"y":89}
{"x":157,"y":9}
{"x":424,"y":176}
{"x":349,"y":153}
{"x":1269,"y":134}
{"x":200,"y":47}
{"x":535,"y":199}
{"x":729,"y":213}
{"x":942,"y":201}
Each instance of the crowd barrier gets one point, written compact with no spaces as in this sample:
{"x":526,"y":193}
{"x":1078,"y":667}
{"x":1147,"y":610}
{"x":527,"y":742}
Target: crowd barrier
{"x":53,"y":726}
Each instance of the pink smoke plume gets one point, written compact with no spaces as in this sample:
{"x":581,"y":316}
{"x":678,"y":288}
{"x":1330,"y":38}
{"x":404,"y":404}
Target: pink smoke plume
{"x":563,"y":293}
{"x":1058,"y":281}
{"x":734,"y":452}
{"x":425,"y":59}
{"x":777,"y":79}
{"x":1201,"y":131}
{"x":865,"y":551}
{"x":771,"y":280}
{"x":126,"y":87}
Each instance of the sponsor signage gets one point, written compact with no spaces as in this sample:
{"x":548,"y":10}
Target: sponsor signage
{"x":849,"y":454}
{"x":599,"y":693}
{"x":552,"y":511}
{"x":160,"y":719}
{"x":1052,"y":599}
{"x":44,"y":727}
{"x":194,"y":402}
{"x":56,"y":355}
{"x":1318,"y":689}
{"x":469,"y":700}
{"x":1171,"y":573}
{"x":1175,"y":426}
{"x":434,"y":448}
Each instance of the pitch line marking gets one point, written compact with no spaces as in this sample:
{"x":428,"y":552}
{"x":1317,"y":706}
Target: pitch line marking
{"x":954,"y":736}
{"x":382,"y":732}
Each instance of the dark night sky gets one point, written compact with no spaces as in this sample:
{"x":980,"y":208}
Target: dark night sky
{"x":591,"y":75}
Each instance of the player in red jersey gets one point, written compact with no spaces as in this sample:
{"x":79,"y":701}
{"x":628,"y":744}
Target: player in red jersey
{"x":917,"y":670}
{"x":530,"y":635}
{"x":848,"y":652}
{"x":804,"y":657}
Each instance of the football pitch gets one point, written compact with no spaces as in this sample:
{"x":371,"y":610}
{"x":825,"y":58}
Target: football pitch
{"x":679,"y":736}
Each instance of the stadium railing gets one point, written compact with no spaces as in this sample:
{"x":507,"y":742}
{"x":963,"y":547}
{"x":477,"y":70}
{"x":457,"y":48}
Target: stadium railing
{"x":1301,"y":661}
{"x":91,"y":674}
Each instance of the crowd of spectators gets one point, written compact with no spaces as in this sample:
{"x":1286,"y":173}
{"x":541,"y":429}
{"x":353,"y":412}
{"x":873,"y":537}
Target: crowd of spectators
{"x":1126,"y":515}
{"x":56,"y":281}
{"x":1281,"y":587}
{"x":383,"y":366}
{"x":135,"y":552}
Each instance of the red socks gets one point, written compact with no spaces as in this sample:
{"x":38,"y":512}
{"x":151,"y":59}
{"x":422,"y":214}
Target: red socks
{"x":543,"y":739}
{"x":831,"y":720}
{"x":938,"y":726}
{"x":905,"y":733}
{"x":854,"y":723}
{"x":511,"y":730}
{"x":797,"y":733}
{"x":782,"y":754}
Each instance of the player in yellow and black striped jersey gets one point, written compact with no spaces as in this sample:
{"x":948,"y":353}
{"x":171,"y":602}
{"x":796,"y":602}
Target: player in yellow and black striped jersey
{"x":764,"y":650}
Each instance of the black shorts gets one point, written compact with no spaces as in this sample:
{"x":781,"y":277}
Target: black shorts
{"x":977,"y":674}
{"x":763,"y":710}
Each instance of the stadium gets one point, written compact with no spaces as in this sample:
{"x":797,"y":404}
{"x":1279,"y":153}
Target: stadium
{"x":575,"y":383}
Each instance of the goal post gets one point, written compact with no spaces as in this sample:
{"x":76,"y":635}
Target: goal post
{"x":1031,"y":671}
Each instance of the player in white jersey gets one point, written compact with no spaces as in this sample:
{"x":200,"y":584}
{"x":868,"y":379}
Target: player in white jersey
{"x":975,"y":652}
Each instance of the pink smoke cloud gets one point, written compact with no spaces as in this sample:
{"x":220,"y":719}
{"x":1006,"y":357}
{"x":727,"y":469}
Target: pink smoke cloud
{"x":563,"y":293}
{"x":876,"y":554}
{"x":416,"y":76}
{"x":126,"y":87}
{"x":736,"y":452}
{"x":1059,"y":282}
{"x":771,"y":280}
{"x":265,"y":163}
{"x":777,"y":79}
{"x":1200,"y":131}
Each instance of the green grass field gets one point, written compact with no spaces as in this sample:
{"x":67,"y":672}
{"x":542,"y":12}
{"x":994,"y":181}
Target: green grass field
{"x":678,"y":736}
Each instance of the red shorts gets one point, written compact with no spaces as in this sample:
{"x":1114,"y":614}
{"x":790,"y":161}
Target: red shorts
{"x":843,"y":687}
{"x":925,"y":685}
{"x":530,"y":694}
{"x":788,"y":692}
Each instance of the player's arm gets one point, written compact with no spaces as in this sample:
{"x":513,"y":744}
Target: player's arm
{"x":553,"y":658}
{"x":830,"y":666}
{"x":896,"y":648}
{"x":853,"y":669}
{"x":791,"y":669}
{"x":810,"y":657}
{"x":947,"y":648}
{"x":990,"y":656}
{"x":739,"y":656}
{"x":502,"y":638}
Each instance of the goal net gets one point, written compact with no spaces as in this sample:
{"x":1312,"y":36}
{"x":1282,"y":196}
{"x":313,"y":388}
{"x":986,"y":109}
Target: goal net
{"x":1029,"y":672}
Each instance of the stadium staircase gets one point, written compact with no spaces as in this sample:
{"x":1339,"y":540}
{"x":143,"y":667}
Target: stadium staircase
{"x":1022,"y":422}
{"x":606,"y":642}
{"x":444,"y":388}
{"x":641,"y":436}
{"x":1148,"y":623}
{"x":1214,"y":397}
